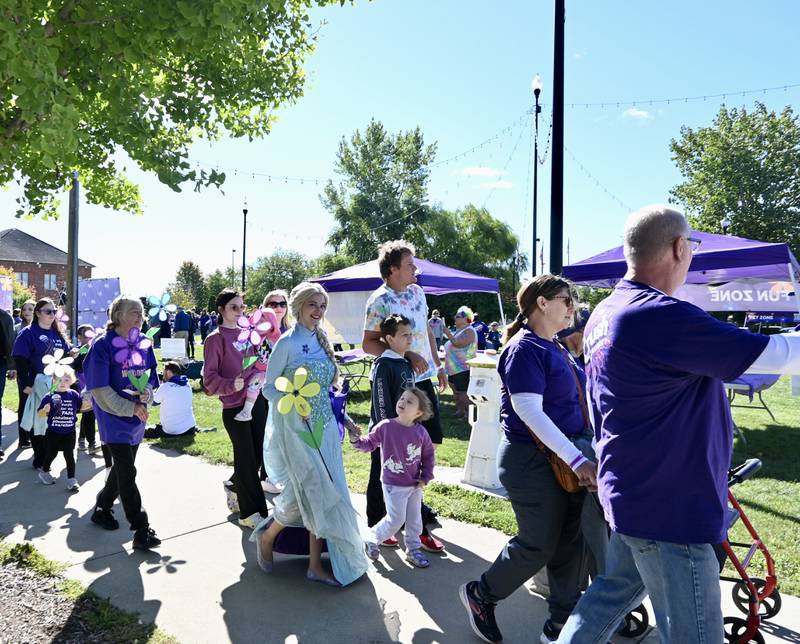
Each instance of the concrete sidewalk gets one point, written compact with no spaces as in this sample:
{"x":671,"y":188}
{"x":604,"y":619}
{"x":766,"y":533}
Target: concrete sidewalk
{"x":202,"y":585}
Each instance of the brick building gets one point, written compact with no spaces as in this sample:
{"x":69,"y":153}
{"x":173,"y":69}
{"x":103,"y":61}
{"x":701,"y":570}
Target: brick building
{"x":37,"y":264}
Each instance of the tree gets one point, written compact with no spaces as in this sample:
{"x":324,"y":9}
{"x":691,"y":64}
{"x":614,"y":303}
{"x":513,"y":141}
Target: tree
{"x":179,"y":297}
{"x":283,"y":269}
{"x":330,"y":262}
{"x":83,"y":80}
{"x":21,"y":293}
{"x":189,"y":279}
{"x":215,"y":282}
{"x":384,"y":189}
{"x":746,"y":167}
{"x":472,"y":240}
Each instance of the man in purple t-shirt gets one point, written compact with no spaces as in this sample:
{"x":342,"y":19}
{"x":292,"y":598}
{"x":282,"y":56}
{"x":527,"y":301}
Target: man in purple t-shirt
{"x":654,"y":368}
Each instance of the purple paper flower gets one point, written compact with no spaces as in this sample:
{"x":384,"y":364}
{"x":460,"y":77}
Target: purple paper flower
{"x":131,"y":350}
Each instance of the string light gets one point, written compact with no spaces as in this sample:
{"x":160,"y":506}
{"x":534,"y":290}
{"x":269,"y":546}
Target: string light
{"x":596,"y":181}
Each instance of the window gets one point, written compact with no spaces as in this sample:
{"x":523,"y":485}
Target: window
{"x":50,"y":282}
{"x":22,"y":278}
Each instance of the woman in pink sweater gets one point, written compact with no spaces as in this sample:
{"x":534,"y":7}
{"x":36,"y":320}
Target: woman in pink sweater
{"x":223,"y":377}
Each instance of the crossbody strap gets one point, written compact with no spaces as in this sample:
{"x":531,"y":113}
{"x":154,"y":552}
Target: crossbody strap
{"x":581,"y":395}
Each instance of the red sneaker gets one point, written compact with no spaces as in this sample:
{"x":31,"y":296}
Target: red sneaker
{"x":431,"y":543}
{"x":391,"y":542}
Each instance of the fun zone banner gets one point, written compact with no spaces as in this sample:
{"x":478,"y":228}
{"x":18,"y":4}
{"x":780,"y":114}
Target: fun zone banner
{"x":741,"y":296}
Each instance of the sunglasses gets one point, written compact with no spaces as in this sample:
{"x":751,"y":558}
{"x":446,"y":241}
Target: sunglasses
{"x":48,"y":311}
{"x":568,"y":299}
{"x":277,"y":305}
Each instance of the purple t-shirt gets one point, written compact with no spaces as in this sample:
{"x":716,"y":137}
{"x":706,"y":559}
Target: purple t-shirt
{"x":34,"y":342}
{"x":406,"y":452}
{"x":532,"y":365}
{"x":64,"y":408}
{"x":102,"y":370}
{"x":663,"y":426}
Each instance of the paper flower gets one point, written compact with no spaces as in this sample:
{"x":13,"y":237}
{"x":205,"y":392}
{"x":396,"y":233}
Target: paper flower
{"x":261,"y":325}
{"x":62,"y":318}
{"x":130,"y":350}
{"x":160,"y":306}
{"x":90,"y":334}
{"x":54,"y":363}
{"x":296,"y":392}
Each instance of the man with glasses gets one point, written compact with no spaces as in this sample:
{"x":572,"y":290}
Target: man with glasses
{"x":654,"y":367}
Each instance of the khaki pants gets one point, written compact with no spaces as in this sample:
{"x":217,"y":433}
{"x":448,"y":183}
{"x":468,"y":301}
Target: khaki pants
{"x":184,"y":335}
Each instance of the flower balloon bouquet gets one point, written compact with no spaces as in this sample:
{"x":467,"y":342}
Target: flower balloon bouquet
{"x":256,"y":331}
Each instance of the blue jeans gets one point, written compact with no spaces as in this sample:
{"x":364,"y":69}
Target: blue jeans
{"x":681,"y":579}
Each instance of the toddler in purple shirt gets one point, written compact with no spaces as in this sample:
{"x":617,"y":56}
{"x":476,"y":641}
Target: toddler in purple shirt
{"x":407,"y":467}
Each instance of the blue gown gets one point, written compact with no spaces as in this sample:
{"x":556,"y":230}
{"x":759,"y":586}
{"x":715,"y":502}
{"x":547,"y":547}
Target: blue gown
{"x":315,"y":494}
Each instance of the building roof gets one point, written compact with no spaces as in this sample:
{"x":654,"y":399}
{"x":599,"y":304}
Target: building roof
{"x":18,"y":246}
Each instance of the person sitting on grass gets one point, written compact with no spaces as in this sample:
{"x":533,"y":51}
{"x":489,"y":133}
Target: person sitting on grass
{"x":407,"y":457}
{"x":175,"y":399}
{"x":61,"y":408}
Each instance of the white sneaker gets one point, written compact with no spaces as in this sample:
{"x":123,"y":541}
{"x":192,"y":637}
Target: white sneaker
{"x":269,"y":487}
{"x":250,"y":522}
{"x":72,"y":485}
{"x":231,"y":500}
{"x":46,"y":478}
{"x":244,"y":416}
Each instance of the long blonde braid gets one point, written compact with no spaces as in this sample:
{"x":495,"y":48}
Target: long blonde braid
{"x":297,"y":298}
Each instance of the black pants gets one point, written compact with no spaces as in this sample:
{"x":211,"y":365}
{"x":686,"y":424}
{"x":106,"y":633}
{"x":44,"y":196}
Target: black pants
{"x":87,"y":432}
{"x":24,"y":435}
{"x":64,"y":443}
{"x":39,"y":449}
{"x":190,"y":344}
{"x":107,"y":460}
{"x":247,"y":439}
{"x":158,"y":432}
{"x":121,"y":483}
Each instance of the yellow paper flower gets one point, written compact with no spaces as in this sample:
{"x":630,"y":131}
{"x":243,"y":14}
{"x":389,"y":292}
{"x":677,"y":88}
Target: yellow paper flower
{"x":296,"y":392}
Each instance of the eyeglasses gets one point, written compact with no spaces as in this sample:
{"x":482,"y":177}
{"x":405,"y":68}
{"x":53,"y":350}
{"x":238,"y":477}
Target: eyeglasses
{"x":694,"y":243}
{"x":47,"y":311}
{"x":568,"y":299}
{"x":277,"y":305}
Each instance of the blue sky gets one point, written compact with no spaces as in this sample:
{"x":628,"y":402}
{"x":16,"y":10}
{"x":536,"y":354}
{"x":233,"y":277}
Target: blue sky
{"x":461,"y":70}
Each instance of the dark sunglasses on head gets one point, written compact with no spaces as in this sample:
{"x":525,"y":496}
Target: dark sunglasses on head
{"x":277,"y":305}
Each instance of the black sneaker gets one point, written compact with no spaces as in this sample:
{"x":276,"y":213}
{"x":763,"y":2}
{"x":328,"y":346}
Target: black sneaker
{"x":24,"y":445}
{"x":481,"y":613}
{"x":145,"y":538}
{"x":550,"y":632}
{"x":105,"y":519}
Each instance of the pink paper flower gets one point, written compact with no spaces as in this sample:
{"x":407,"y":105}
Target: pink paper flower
{"x":261,"y":325}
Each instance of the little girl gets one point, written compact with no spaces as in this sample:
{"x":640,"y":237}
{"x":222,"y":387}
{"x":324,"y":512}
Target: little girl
{"x":61,"y":408}
{"x":256,"y":380}
{"x":407,"y":458}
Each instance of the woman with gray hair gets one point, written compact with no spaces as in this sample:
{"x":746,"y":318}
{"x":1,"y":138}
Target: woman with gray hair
{"x":302,"y":450}
{"x":121,"y":372}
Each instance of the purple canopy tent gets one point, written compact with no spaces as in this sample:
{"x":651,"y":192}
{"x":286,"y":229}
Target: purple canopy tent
{"x":435,"y":279}
{"x":721,"y":259}
{"x":350,"y":287}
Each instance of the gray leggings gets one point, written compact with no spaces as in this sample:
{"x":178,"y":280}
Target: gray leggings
{"x":549,"y":531}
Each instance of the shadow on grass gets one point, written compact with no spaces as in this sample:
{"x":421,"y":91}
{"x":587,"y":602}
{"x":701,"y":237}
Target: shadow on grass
{"x":767,"y":510}
{"x":778,"y":447}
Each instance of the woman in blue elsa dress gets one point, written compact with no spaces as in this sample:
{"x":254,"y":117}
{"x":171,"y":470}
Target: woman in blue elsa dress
{"x":302,"y":448}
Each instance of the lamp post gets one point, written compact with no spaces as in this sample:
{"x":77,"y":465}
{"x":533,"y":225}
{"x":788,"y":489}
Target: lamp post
{"x":725,"y":222}
{"x":233,"y":267}
{"x":244,"y":243}
{"x":557,"y":145}
{"x":536,"y":85}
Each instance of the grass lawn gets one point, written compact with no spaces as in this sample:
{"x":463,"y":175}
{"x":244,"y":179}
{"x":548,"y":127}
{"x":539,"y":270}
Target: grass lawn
{"x":771,"y":500}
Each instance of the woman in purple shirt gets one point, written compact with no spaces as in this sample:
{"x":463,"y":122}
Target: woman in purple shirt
{"x":541,"y":408}
{"x":121,"y":412}
{"x":43,"y":337}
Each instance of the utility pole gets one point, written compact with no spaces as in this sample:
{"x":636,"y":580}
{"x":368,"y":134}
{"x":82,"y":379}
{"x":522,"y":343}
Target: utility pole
{"x":244,"y":244}
{"x":72,"y":257}
{"x":557,"y":182}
